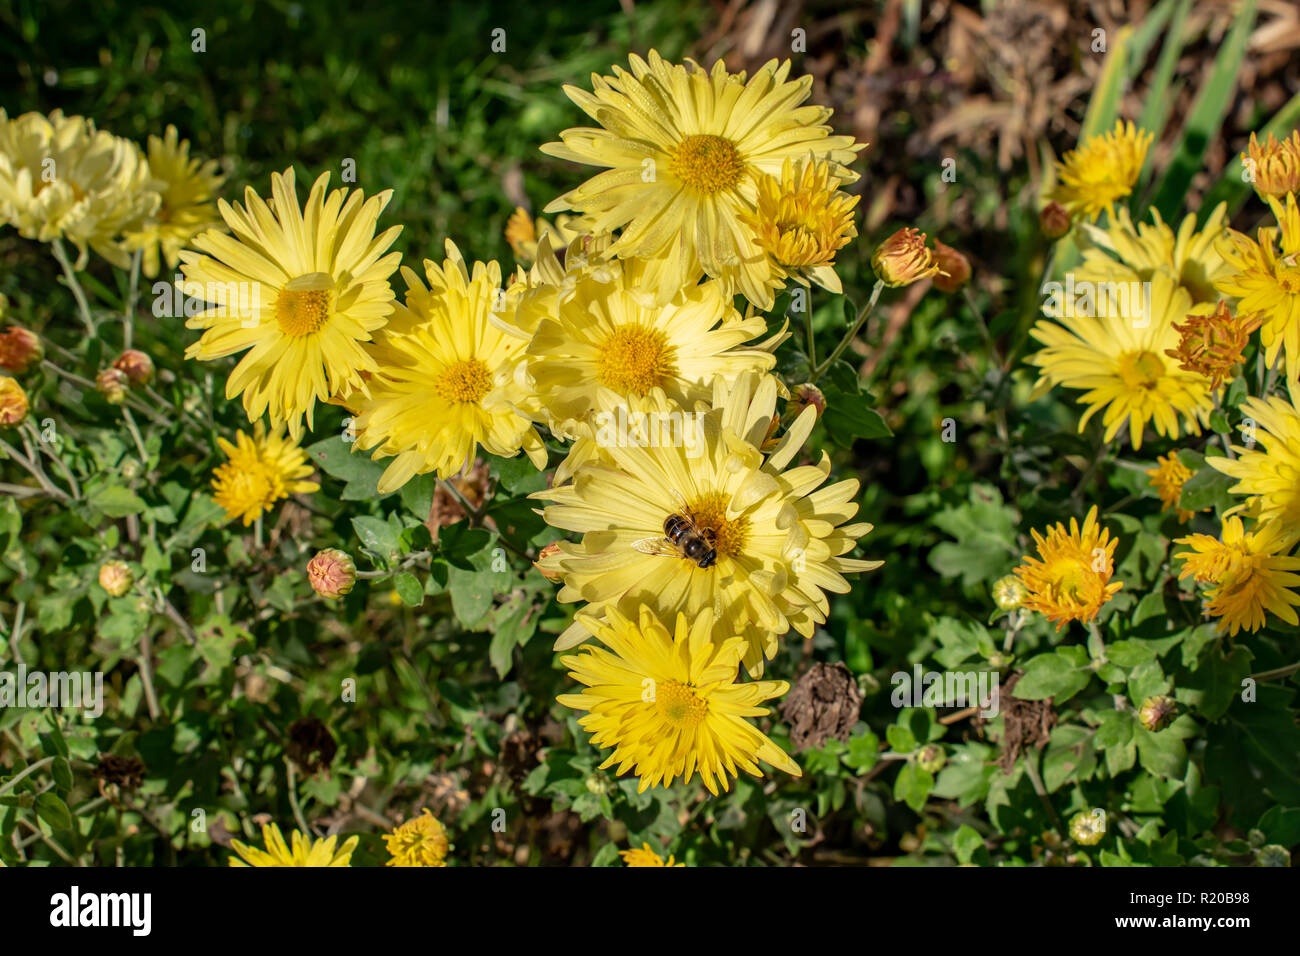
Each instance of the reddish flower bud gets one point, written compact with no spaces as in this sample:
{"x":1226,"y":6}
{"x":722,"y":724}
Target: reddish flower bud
{"x":137,"y":366}
{"x":112,"y":383}
{"x":332,"y":573}
{"x":20,"y":349}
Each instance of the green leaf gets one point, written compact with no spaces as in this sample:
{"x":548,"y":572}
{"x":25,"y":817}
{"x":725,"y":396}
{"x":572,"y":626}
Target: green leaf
{"x":1206,"y":117}
{"x":471,"y":595}
{"x":1207,"y":489}
{"x":62,"y":774}
{"x":337,"y":459}
{"x":901,"y":739}
{"x":377,"y":536}
{"x":1216,"y":681}
{"x":53,"y":811}
{"x":966,"y":842}
{"x":1051,"y":675}
{"x":1157,"y":101}
{"x":408,"y":588}
{"x":913,"y":786}
{"x":1103,"y":105}
{"x":115,"y":501}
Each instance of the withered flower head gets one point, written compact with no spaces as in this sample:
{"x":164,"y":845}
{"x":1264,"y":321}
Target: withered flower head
{"x":1212,"y":345}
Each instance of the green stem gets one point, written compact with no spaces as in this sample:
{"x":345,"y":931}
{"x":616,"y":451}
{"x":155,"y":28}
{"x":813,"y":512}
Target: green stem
{"x":70,"y":274}
{"x":852,"y":333}
{"x":132,"y":297}
{"x":9,"y":784}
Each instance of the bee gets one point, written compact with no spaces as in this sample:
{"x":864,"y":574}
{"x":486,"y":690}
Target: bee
{"x":682,"y":539}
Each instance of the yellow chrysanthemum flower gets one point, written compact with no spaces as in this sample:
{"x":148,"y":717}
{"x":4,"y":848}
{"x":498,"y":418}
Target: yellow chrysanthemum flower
{"x":668,"y":703}
{"x":1268,"y":283}
{"x":305,"y":851}
{"x":420,"y":841}
{"x":1168,"y":478}
{"x":260,"y":471}
{"x":301,"y":289}
{"x":1118,"y":357}
{"x":1271,"y":475}
{"x":449,"y":376}
{"x":645,"y":857}
{"x":602,"y":344}
{"x":683,"y":148}
{"x":1070,"y":578}
{"x":523,"y":233}
{"x":1276,"y":165}
{"x":188,"y":188}
{"x":1250,"y":572}
{"x":60,"y":178}
{"x":1191,"y":257}
{"x":801,"y":220}
{"x":779,"y":537}
{"x":1102,"y":171}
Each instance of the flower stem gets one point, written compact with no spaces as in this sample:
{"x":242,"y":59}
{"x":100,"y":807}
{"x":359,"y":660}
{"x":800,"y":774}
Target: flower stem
{"x":70,"y":274}
{"x":852,"y":333}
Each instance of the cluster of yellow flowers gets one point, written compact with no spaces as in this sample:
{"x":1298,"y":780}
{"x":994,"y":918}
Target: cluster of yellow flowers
{"x":419,"y":842}
{"x":703,"y":541}
{"x":1167,"y":358}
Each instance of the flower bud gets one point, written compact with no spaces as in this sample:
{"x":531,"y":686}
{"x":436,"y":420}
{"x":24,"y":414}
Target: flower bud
{"x":546,"y":562}
{"x":1156,"y":712}
{"x":20,"y":349}
{"x":1009,"y":593}
{"x":903,"y":259}
{"x":931,"y":758}
{"x":954,"y":268}
{"x":1054,"y":220}
{"x":137,"y":366}
{"x":112,"y":383}
{"x":332,"y":573}
{"x":13,"y":403}
{"x":116,"y":577}
{"x":804,"y":395}
{"x":1273,"y":855}
{"x":1087,"y":828}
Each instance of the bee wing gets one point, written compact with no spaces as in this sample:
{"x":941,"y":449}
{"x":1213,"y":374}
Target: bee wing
{"x":658,"y":545}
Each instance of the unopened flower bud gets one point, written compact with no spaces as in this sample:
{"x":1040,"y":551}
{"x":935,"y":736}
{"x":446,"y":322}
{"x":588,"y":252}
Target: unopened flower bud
{"x":1273,"y":855}
{"x":137,"y":366}
{"x":1156,"y":712}
{"x":332,"y":573}
{"x":1087,"y":828}
{"x":115,"y":577}
{"x":112,"y":383}
{"x":903,"y":258}
{"x":13,"y":403}
{"x":1009,"y":593}
{"x":954,"y":268}
{"x":546,"y":562}
{"x":931,"y":758}
{"x":20,"y":349}
{"x":1054,"y":220}
{"x":803,"y":396}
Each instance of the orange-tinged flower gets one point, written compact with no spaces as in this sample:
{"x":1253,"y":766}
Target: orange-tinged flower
{"x":13,"y":403}
{"x":645,"y":857}
{"x":1213,"y":345}
{"x":1168,"y":478}
{"x":1275,"y":165}
{"x":20,"y":349}
{"x":1070,"y":579}
{"x":903,"y":258}
{"x":954,"y":268}
{"x":1250,"y":572}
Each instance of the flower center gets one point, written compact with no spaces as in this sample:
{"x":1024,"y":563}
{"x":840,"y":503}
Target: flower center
{"x":304,"y":305}
{"x":679,"y":705}
{"x":1141,"y":369}
{"x":462,"y":382}
{"x":634,"y":359}
{"x":707,"y":164}
{"x":1067,"y":578}
{"x":727,"y":535}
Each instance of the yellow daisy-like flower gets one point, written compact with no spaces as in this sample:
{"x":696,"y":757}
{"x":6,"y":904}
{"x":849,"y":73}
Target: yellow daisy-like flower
{"x":1102,"y":171}
{"x":420,"y":841}
{"x":305,"y":851}
{"x":1168,"y":478}
{"x":1276,"y":165}
{"x":1250,"y":572}
{"x":801,"y":220}
{"x":684,"y":148}
{"x":645,"y":857}
{"x":1070,"y":578}
{"x":60,"y":178}
{"x":1191,"y":257}
{"x":1270,"y":476}
{"x":300,"y":288}
{"x":779,"y":536}
{"x":260,"y":471}
{"x":1118,"y":357}
{"x":188,"y":187}
{"x":449,"y":376}
{"x":1268,"y":283}
{"x":602,"y":344}
{"x":669,"y":704}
